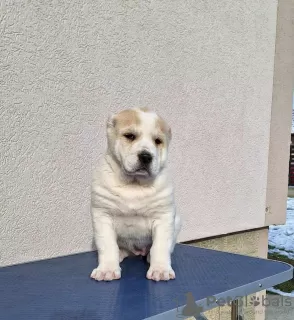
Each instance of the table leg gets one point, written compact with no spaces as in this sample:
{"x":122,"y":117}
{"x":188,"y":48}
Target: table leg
{"x":234,"y":310}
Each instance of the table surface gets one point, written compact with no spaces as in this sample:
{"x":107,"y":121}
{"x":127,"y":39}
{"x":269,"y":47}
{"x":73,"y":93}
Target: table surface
{"x":61,"y":288}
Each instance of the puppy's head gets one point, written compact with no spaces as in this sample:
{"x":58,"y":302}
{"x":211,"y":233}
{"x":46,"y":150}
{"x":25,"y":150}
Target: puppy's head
{"x":138,"y":139}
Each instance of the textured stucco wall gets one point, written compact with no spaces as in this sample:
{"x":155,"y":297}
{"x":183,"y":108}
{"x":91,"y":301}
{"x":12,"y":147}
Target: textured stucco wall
{"x":207,"y":66}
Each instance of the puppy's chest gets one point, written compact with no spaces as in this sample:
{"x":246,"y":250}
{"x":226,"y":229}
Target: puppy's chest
{"x":133,"y":217}
{"x":133,"y":207}
{"x":136,"y":202}
{"x":132,"y":226}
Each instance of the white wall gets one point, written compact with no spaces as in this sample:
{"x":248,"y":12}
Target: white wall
{"x":206,"y":66}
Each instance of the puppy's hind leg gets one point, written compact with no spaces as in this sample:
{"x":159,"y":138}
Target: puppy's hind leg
{"x":178,"y":225}
{"x":122,"y":255}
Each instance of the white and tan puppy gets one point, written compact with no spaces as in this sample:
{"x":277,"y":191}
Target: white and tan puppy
{"x":132,"y":198}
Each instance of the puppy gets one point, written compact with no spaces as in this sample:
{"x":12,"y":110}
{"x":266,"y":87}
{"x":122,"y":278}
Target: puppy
{"x":132,"y":197}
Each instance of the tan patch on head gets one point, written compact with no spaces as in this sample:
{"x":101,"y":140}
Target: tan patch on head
{"x":126,"y":118}
{"x":163,"y":127}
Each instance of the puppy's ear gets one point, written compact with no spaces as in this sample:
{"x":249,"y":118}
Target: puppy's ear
{"x":111,"y":121}
{"x":165,"y":128}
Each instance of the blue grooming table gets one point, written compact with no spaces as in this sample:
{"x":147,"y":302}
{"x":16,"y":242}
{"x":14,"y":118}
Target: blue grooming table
{"x":61,"y":289}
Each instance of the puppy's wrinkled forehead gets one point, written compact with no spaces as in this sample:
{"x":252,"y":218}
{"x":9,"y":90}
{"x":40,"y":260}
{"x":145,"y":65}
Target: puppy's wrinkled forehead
{"x":141,"y":119}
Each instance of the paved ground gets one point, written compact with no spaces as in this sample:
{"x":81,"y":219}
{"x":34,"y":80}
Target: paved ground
{"x":279,"y":308}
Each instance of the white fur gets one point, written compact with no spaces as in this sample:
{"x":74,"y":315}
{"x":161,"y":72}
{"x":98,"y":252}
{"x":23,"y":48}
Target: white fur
{"x":132,"y":211}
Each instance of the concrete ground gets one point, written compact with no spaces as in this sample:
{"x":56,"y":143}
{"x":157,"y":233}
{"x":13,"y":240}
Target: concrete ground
{"x":276,"y":308}
{"x":291,"y":192}
{"x":279,"y":308}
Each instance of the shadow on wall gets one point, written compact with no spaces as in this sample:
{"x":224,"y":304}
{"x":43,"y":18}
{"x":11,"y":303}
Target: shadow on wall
{"x":93,"y":246}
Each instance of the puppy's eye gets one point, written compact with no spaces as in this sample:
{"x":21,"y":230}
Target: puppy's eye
{"x":130,"y":136}
{"x":158,"y":141}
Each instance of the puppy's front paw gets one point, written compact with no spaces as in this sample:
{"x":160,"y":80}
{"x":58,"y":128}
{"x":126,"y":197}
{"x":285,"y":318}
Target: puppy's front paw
{"x":159,"y":272}
{"x":106,"y":273}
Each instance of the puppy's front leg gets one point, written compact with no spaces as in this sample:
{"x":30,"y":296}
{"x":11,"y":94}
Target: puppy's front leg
{"x":108,"y":252}
{"x":162,"y":246}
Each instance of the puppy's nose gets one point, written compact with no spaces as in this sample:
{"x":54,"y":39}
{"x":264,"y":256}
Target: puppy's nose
{"x":145,"y":157}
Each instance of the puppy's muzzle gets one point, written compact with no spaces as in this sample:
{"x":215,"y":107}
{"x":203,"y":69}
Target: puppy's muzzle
{"x":145,"y":158}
